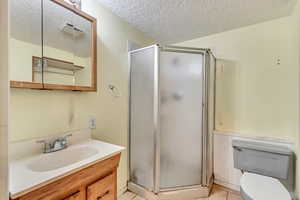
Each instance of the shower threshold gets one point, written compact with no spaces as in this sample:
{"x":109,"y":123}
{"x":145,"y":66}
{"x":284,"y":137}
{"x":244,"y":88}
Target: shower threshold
{"x":187,"y":193}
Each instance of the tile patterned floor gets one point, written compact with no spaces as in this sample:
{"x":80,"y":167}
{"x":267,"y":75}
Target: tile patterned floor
{"x":218,"y":193}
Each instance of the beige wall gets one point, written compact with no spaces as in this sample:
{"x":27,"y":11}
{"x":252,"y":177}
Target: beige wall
{"x":38,"y":113}
{"x":4,"y":100}
{"x":256,"y":96}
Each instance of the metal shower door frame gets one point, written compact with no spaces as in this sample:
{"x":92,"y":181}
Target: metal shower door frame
{"x":206,"y":53}
{"x":205,"y":179}
{"x":157,"y":119}
{"x":156,"y":98}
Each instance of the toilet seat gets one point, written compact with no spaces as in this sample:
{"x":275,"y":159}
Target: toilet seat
{"x":258,"y":187}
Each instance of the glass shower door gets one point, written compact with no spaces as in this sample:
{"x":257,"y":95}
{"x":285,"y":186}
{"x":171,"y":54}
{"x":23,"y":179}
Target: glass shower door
{"x":181,"y":92}
{"x":143,"y":79}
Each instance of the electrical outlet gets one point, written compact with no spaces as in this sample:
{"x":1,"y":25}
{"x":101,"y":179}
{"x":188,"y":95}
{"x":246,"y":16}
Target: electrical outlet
{"x":92,"y":122}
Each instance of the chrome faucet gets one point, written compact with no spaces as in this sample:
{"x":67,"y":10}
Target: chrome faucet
{"x":55,"y":145}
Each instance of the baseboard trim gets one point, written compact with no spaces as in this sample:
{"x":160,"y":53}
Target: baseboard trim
{"x":122,"y":191}
{"x":179,"y":194}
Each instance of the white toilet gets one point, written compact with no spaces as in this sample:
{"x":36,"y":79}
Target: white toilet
{"x":268,"y":169}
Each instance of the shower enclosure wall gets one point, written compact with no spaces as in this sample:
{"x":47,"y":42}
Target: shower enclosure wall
{"x":171,"y":120}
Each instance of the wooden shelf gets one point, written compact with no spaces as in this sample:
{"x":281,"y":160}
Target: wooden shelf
{"x":55,"y":63}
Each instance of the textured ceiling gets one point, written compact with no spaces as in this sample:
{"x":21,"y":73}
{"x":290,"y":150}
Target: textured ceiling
{"x":170,"y":21}
{"x":26,"y":25}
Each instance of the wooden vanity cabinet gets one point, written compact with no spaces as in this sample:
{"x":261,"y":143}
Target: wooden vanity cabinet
{"x":96,"y":182}
{"x":76,"y":196}
{"x":102,"y":189}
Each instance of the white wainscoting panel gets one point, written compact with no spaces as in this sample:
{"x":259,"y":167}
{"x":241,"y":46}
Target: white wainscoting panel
{"x":225,"y":174}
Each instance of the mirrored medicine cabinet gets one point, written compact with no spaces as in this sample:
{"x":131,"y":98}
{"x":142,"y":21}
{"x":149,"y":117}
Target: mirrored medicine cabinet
{"x":52,"y":46}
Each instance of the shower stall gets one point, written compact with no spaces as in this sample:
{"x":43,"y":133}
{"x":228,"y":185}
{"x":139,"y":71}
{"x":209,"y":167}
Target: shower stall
{"x":171,"y":121}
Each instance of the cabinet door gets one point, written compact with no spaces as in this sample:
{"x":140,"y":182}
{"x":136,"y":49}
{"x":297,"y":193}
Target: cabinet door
{"x":77,"y":196}
{"x":25,"y":43}
{"x":68,"y":55}
{"x":104,"y":189}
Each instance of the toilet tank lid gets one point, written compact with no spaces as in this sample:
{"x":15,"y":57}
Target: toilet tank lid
{"x":261,"y":146}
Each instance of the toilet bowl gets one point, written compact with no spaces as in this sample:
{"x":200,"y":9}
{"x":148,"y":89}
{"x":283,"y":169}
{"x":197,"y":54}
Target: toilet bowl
{"x":268,"y":169}
{"x":258,"y":187}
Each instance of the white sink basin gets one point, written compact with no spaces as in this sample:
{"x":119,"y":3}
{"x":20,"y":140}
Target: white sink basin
{"x":59,"y":159}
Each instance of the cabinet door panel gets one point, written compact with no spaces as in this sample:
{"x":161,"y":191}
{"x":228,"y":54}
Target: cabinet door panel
{"x":104,"y":189}
{"x":67,"y":40}
{"x":77,"y":196}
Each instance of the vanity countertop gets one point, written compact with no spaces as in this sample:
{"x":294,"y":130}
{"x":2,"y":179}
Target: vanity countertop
{"x":24,"y":178}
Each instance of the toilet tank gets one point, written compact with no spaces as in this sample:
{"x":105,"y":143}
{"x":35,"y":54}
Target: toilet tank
{"x":263,"y":158}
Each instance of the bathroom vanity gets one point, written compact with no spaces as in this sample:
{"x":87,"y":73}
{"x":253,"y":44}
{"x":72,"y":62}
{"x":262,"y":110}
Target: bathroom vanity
{"x":98,"y":181}
{"x":84,"y":171}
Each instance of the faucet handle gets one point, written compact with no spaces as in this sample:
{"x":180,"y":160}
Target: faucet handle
{"x":66,"y":136}
{"x":46,"y":144}
{"x":64,"y":139}
{"x":41,"y":141}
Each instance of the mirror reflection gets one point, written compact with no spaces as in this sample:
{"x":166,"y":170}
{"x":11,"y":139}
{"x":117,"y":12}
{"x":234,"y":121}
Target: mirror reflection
{"x":52,"y":45}
{"x":67,"y":46}
{"x":26,"y":39}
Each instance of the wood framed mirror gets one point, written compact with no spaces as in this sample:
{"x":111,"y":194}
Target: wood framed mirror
{"x":53,"y":46}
